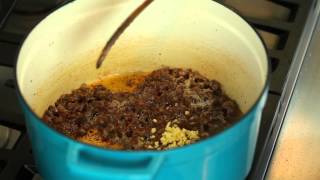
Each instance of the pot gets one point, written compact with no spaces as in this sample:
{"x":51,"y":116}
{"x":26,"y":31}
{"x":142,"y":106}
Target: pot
{"x":61,"y":52}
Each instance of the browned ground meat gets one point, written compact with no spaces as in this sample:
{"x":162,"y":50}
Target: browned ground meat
{"x":126,"y":118}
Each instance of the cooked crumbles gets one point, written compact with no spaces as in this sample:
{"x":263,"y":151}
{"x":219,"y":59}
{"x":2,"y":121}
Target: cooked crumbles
{"x":166,"y":108}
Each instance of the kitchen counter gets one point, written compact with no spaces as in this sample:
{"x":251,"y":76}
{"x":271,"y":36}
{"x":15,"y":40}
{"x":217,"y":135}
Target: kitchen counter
{"x":297,"y":152}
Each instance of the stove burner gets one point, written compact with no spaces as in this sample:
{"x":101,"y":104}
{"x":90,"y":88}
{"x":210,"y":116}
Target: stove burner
{"x":4,"y":136}
{"x":32,"y":7}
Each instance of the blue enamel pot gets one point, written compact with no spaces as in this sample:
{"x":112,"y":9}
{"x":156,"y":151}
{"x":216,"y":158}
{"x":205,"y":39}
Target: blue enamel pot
{"x":60,"y":54}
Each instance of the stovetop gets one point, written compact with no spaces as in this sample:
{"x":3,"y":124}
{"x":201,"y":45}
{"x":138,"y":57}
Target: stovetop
{"x":279,"y":22}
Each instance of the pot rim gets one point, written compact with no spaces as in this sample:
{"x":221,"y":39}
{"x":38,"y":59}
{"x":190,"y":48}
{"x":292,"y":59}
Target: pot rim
{"x":151,"y":152}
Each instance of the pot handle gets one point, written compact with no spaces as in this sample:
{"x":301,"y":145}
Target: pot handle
{"x":97,"y":164}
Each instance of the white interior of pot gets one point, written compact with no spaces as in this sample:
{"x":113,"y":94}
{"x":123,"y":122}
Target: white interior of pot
{"x":60,"y":53}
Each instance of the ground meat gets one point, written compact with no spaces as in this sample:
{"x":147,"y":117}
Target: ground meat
{"x":137,"y":120}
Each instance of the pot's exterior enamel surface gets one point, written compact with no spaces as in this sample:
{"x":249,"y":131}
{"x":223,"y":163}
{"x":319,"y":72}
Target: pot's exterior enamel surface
{"x":197,"y":34}
{"x":226,"y":156}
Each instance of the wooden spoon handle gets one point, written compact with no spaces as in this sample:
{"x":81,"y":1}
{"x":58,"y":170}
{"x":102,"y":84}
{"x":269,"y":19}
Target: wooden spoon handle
{"x":120,"y":30}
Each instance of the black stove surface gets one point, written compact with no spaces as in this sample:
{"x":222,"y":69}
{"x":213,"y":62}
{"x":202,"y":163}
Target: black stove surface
{"x":280,"y":23}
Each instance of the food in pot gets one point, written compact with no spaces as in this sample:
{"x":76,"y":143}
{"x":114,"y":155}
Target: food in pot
{"x":167,"y":108}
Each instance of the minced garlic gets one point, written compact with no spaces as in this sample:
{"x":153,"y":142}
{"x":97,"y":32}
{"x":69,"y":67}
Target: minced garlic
{"x":156,"y":144}
{"x":153,"y":130}
{"x":175,"y":121}
{"x":174,"y":136}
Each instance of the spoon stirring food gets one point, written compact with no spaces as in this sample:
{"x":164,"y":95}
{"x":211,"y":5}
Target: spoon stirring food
{"x":120,"y":30}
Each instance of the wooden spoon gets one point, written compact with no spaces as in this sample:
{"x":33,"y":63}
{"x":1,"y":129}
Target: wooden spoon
{"x":120,"y":30}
